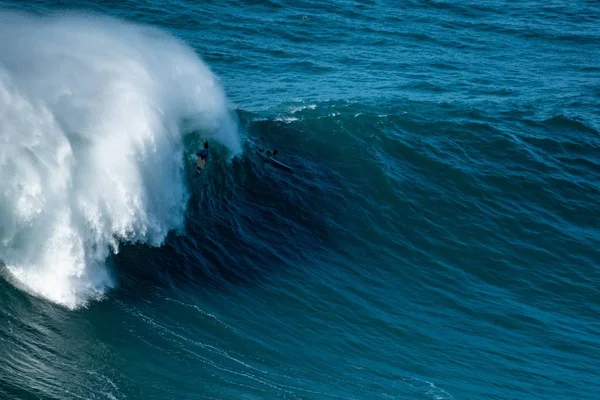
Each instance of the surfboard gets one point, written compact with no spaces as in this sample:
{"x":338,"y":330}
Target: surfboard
{"x":278,"y":164}
{"x":272,"y":160}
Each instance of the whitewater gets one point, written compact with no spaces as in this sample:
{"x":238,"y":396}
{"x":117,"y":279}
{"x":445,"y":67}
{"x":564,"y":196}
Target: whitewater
{"x":91,"y":145}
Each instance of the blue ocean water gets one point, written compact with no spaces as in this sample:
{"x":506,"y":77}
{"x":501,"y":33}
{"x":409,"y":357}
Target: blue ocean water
{"x":438,"y":238}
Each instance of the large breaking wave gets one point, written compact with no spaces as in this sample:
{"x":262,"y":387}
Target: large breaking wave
{"x":91,"y":149}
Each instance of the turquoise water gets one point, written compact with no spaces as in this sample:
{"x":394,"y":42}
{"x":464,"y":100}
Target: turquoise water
{"x":438,"y":238}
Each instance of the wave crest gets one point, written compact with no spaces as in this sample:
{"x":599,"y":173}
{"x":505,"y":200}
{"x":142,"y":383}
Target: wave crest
{"x":91,"y":149}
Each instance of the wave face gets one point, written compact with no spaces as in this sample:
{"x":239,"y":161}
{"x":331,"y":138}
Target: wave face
{"x":91,"y":145}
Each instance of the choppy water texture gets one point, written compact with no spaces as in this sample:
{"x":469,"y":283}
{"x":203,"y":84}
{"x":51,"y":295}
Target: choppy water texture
{"x":438,"y":238}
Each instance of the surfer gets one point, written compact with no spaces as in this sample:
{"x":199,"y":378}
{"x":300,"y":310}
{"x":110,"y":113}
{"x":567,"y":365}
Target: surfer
{"x":202,"y":156}
{"x":269,"y":155}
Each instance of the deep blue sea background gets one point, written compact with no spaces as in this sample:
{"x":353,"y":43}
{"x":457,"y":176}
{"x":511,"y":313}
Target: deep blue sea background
{"x":438,"y":239}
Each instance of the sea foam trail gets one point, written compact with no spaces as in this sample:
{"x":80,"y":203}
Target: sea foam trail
{"x":91,"y":150}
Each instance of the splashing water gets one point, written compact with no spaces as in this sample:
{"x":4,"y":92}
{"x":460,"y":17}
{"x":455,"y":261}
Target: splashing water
{"x":91,"y":147}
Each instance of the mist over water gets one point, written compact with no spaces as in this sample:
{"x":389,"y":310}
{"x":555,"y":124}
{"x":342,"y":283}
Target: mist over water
{"x":91,"y":114}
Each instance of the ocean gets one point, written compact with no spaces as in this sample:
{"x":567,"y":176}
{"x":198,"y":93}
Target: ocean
{"x":438,"y":236}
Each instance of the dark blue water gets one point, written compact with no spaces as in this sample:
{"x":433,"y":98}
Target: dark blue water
{"x":437,"y":239}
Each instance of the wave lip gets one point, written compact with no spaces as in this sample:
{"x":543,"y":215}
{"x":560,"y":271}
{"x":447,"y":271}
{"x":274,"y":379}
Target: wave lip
{"x":91,"y":151}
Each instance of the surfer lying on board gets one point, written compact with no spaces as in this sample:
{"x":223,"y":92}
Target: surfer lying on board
{"x":268,"y":157}
{"x":202,"y":156}
{"x":268,"y":154}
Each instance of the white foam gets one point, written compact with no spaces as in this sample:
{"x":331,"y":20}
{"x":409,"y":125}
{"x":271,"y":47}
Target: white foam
{"x":301,"y":108}
{"x":91,"y":150}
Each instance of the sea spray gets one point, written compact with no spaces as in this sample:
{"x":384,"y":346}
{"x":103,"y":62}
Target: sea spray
{"x":91,"y":150}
